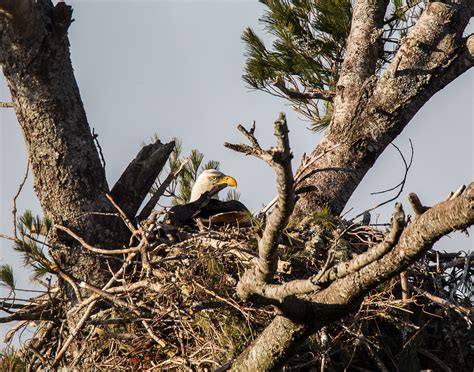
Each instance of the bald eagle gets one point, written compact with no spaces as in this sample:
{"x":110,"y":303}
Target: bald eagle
{"x":209,"y":179}
{"x":204,"y":202}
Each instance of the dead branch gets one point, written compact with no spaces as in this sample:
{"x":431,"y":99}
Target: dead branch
{"x":145,"y":212}
{"x":443,"y":302}
{"x":137,"y":179}
{"x":415,"y":203}
{"x":73,"y":334}
{"x":17,"y":194}
{"x":279,"y":158}
{"x":99,"y":250}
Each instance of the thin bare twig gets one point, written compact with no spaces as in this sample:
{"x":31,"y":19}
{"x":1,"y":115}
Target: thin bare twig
{"x":441,"y":301}
{"x":299,"y":174}
{"x":17,"y":194}
{"x":401,"y":184}
{"x":95,"y":137}
{"x":125,"y":218}
{"x":74,"y":333}
{"x":99,"y":250}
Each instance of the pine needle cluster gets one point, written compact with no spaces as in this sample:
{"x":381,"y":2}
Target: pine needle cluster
{"x":309,"y":40}
{"x":30,"y":243}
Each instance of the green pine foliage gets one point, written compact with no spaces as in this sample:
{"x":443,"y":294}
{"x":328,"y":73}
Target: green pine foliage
{"x":180,"y":188}
{"x":232,"y":194}
{"x":309,"y":40}
{"x":32,"y":236}
{"x":6,"y":277}
{"x":306,"y":55}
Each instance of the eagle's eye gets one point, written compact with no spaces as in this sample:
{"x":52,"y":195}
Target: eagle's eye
{"x":214,"y":178}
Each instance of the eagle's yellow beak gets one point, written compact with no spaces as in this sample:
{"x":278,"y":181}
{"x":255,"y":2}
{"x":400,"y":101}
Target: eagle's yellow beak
{"x":228,"y":180}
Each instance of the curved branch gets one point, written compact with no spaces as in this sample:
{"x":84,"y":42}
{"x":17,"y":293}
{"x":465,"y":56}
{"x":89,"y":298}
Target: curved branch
{"x":248,"y":285}
{"x":338,"y":299}
{"x":416,"y":239}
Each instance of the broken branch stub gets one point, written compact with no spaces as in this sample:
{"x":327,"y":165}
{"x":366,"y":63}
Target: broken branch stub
{"x":279,"y":158}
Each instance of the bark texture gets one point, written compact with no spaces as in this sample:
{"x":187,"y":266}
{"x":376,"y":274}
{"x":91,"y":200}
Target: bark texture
{"x":370,"y":111}
{"x":68,"y":176}
{"x":340,"y":298}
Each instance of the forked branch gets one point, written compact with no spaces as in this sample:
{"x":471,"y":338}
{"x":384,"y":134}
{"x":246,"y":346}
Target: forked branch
{"x":279,"y":158}
{"x":248,"y":285}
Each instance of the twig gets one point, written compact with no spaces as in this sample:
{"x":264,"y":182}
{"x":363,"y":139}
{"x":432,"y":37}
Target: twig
{"x":95,"y":138}
{"x":142,"y":247}
{"x":157,"y":339}
{"x":100,"y":250}
{"x":20,"y":187}
{"x":6,"y":104}
{"x":125,"y":218}
{"x":299,"y":174}
{"x":74,"y":332}
{"x":434,"y":358}
{"x":221,"y":299}
{"x":381,"y":366}
{"x":114,"y":299}
{"x":401,"y":184}
{"x":441,"y":301}
{"x":326,"y":95}
{"x":8,"y":237}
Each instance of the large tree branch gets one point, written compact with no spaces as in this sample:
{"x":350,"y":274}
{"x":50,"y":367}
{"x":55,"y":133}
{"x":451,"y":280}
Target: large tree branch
{"x":432,"y":55}
{"x":360,"y":59}
{"x":249,"y":286}
{"x":339,"y":298}
{"x":417,"y":238}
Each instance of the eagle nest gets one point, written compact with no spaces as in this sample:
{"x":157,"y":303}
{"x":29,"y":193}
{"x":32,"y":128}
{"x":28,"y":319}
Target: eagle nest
{"x":179,"y":310}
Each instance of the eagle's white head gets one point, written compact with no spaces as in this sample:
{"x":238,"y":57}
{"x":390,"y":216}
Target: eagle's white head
{"x":209,"y":179}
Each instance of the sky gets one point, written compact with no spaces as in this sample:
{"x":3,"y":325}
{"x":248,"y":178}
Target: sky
{"x":174,"y":68}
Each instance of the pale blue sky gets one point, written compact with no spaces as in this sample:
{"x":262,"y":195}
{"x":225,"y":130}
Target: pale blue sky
{"x":175,"y":68}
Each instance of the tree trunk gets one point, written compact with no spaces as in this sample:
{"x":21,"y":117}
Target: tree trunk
{"x":369,"y":111}
{"x":68,"y":176}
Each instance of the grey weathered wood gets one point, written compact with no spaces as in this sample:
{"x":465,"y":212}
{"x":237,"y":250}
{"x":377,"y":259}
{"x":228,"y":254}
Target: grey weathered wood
{"x":68,"y":176}
{"x":138,"y":178}
{"x":370,"y":112}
